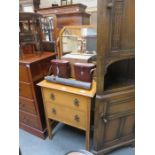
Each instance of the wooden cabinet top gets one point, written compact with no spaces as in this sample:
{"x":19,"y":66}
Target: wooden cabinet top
{"x":63,"y":9}
{"x":69,"y":89}
{"x":31,"y":58}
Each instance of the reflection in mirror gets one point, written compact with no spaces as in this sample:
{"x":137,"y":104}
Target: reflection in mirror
{"x":47,"y":27}
{"x":78,"y":44}
{"x":78,"y":40}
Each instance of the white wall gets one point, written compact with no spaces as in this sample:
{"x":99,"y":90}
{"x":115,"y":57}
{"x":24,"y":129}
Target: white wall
{"x":46,"y":3}
{"x":89,"y":3}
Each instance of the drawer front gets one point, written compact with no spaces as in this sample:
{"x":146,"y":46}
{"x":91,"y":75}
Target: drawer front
{"x":25,"y":90}
{"x":66,"y":115}
{"x":23,"y":73}
{"x":29,"y":119}
{"x":27,"y":105}
{"x":116,"y":107}
{"x":73,"y":101}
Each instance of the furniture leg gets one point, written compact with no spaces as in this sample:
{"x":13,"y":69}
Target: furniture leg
{"x":87,"y":143}
{"x":49,"y":128}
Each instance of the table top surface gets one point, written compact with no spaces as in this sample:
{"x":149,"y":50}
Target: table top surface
{"x":31,"y":58}
{"x":69,"y":89}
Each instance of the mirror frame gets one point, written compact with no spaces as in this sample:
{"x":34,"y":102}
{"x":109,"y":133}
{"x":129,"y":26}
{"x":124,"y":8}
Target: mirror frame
{"x":59,"y":40}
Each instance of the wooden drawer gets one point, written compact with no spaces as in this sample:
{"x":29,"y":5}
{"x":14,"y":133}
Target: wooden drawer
{"x":27,"y":105}
{"x":23,"y":73}
{"x":25,"y":90}
{"x":66,"y":115}
{"x":76,"y":102}
{"x":29,"y":119}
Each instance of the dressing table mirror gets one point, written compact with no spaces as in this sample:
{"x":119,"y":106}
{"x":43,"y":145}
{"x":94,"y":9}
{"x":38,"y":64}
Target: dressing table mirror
{"x":77,"y":44}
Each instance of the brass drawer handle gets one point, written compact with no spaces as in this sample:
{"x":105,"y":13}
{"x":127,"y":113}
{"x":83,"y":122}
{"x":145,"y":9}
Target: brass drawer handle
{"x":53,"y":110}
{"x":77,"y":118}
{"x":76,"y":102}
{"x":52,"y":96}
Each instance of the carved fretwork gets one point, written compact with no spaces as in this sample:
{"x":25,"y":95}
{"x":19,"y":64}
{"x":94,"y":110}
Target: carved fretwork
{"x":116,"y":24}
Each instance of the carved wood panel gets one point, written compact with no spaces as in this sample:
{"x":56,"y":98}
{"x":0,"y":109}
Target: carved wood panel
{"x":122,"y":26}
{"x":117,"y":23}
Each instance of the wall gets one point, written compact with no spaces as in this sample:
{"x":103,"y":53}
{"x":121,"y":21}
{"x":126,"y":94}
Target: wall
{"x":89,"y":3}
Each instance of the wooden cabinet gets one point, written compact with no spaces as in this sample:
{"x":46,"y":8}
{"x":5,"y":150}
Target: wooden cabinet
{"x":66,"y":15}
{"x":68,"y":105}
{"x":32,"y":68}
{"x":115,"y":98}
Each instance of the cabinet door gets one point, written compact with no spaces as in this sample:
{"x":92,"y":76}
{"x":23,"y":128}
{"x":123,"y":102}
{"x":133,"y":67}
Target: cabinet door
{"x":114,"y":120}
{"x":116,"y":26}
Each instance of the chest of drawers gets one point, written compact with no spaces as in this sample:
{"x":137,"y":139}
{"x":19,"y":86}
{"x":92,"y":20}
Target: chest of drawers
{"x":32,"y":69}
{"x":68,"y":105}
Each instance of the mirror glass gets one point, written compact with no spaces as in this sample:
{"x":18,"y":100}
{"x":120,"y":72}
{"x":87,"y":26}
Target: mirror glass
{"x":79,"y":40}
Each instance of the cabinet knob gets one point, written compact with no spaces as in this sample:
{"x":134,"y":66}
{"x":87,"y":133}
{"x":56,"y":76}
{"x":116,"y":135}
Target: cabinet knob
{"x":77,"y":118}
{"x":76,"y":102}
{"x":104,"y":118}
{"x":53,"y":110}
{"x":52,"y":96}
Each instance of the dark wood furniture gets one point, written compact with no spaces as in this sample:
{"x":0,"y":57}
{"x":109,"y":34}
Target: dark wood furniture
{"x":32,"y":69}
{"x":36,"y":4}
{"x":30,"y":33}
{"x":66,"y":15}
{"x":114,"y":109}
{"x":34,"y":64}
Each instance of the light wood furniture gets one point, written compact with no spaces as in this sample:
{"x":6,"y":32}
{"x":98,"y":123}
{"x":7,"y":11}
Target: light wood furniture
{"x":32,"y":69}
{"x":115,"y":97}
{"x":77,"y":44}
{"x":69,"y":105}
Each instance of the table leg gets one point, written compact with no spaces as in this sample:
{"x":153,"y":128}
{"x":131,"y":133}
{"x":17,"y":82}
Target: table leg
{"x":87,"y":143}
{"x":49,"y":128}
